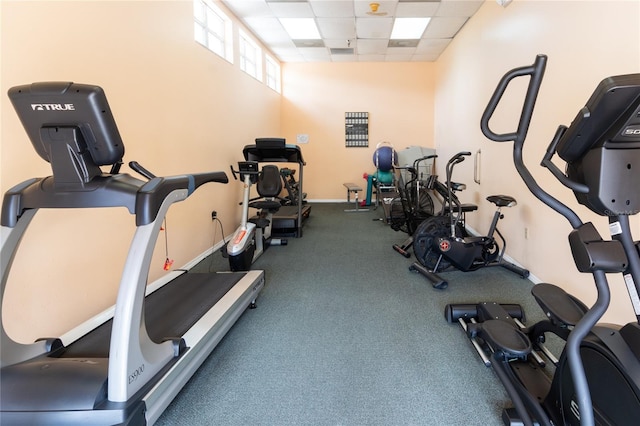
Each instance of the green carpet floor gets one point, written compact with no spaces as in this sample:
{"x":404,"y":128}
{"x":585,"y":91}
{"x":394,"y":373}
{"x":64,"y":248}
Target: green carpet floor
{"x":344,"y":334}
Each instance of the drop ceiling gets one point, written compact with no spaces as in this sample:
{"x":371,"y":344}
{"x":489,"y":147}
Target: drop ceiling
{"x":351,"y":30}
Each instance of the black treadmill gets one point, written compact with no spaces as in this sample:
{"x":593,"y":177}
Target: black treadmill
{"x":288,"y":220}
{"x":128,"y":368}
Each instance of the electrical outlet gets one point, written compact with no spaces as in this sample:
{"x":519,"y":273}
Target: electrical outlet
{"x":526,"y":233}
{"x":214,"y":215}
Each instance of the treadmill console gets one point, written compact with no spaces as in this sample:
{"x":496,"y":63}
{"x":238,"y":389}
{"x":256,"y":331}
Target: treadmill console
{"x":45,"y":108}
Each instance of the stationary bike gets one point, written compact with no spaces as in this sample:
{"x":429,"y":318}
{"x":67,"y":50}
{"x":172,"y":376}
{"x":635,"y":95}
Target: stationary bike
{"x":597,"y":378}
{"x":253,"y":235}
{"x":441,"y":242}
{"x":418,"y":205}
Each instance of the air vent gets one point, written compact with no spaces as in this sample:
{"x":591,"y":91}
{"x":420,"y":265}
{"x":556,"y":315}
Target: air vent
{"x":342,"y":50}
{"x":403,"y":43}
{"x":308,"y":43}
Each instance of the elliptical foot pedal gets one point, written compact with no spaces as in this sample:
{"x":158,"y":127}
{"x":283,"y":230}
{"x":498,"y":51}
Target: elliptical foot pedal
{"x":503,"y":337}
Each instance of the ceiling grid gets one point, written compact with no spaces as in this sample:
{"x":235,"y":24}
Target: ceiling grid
{"x":354,"y":30}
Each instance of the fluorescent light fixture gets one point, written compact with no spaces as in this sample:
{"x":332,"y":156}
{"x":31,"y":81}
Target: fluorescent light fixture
{"x":409,"y":28}
{"x":301,"y":28}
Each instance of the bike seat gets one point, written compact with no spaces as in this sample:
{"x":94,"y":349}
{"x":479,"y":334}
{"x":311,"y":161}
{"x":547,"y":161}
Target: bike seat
{"x":502,"y":200}
{"x":467,"y":207}
{"x":269,"y":205}
{"x":260,"y":222}
{"x":503,"y":337}
{"x":558,"y":305}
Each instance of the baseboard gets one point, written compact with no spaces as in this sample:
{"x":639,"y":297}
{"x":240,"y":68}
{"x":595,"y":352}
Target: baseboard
{"x":329,"y":200}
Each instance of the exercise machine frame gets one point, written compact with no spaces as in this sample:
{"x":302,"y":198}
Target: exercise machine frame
{"x":127,"y":364}
{"x":446,"y":195}
{"x":253,"y":235}
{"x":597,"y":378}
{"x":441,"y":242}
{"x":289,"y":220}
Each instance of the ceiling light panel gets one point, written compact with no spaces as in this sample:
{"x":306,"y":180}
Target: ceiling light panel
{"x":409,"y":28}
{"x":301,"y":28}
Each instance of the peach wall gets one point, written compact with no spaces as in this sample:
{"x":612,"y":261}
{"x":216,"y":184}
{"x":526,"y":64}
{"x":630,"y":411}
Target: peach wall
{"x":179,"y":108}
{"x":604,"y":41}
{"x":397,"y":96}
{"x":182,"y":109}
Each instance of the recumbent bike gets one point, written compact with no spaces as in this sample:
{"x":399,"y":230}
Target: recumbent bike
{"x":253,"y":236}
{"x":597,"y":377}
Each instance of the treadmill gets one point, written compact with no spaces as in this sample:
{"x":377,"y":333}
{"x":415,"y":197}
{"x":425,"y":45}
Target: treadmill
{"x":126,"y":365}
{"x":288,"y":220}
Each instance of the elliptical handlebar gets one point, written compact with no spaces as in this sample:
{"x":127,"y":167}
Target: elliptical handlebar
{"x":536,"y":71}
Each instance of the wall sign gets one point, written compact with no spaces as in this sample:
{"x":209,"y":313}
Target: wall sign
{"x":356,"y":129}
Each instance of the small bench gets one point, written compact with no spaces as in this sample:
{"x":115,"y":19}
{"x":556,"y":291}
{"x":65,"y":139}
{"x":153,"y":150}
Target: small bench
{"x":352,"y":187}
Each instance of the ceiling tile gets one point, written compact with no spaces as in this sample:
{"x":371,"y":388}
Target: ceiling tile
{"x":464,"y":8}
{"x":344,"y":28}
{"x":249,"y":8}
{"x":385,"y":8}
{"x":416,"y":9}
{"x":432,"y":45}
{"x":339,"y":42}
{"x":332,"y":8}
{"x":372,"y":46}
{"x":398,"y":58}
{"x":291,"y":9}
{"x":441,"y":27}
{"x":374,"y":27}
{"x":371,"y":58}
{"x":349,"y":23}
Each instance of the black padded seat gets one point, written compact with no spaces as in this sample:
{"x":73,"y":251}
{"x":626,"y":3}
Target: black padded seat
{"x":270,"y":205}
{"x":467,"y":207}
{"x":502,"y":200}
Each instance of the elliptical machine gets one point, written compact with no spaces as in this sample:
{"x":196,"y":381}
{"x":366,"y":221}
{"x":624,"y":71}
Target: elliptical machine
{"x":253,"y":235}
{"x":441,"y":242}
{"x":597,"y":378}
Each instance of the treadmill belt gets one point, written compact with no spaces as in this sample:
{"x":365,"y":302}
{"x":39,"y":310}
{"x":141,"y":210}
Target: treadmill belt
{"x":169,"y":311}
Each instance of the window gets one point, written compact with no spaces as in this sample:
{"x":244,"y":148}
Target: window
{"x":273,"y":73}
{"x":250,"y":56}
{"x":212,"y":28}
